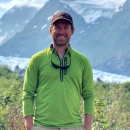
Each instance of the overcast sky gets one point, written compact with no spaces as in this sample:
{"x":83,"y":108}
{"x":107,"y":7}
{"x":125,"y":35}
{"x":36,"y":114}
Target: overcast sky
{"x":7,"y":4}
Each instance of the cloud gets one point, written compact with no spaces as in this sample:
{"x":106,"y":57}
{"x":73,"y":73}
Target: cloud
{"x":107,"y":4}
{"x":5,"y":6}
{"x":35,"y":3}
{"x":39,"y":3}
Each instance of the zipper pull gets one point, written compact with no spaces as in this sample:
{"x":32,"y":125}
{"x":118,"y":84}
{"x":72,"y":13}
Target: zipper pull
{"x":65,"y":64}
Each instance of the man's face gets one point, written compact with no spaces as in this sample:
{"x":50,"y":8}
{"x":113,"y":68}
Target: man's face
{"x":61,"y":32}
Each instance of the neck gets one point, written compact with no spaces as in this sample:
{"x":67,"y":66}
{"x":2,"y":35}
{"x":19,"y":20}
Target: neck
{"x":60,"y":50}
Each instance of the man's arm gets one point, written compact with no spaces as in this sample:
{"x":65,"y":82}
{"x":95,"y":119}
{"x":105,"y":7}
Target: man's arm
{"x":29,"y":92}
{"x":88,"y":94}
{"x":28,"y":122}
{"x":88,"y":121}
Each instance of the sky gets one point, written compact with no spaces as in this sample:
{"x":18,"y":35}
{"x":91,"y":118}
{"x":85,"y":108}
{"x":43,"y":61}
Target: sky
{"x":5,"y":5}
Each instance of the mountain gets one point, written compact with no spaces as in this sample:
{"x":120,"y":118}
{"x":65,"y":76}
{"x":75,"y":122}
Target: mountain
{"x":100,"y":41}
{"x":14,"y":20}
{"x":35,"y":34}
{"x":92,"y":10}
{"x":110,"y":37}
{"x":20,"y":64}
{"x":116,"y":64}
{"x":116,"y":50}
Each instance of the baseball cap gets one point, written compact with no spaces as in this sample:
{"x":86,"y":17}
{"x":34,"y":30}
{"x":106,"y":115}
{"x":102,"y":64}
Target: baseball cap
{"x":62,"y":15}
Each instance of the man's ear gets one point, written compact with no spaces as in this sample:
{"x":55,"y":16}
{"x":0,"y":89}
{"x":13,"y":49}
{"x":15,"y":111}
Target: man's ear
{"x":50,"y":30}
{"x":73,"y":30}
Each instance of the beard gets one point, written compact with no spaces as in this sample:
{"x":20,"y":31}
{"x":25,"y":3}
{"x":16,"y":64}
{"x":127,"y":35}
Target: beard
{"x":61,"y":42}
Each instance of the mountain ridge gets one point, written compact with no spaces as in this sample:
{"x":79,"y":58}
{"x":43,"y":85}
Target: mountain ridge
{"x":10,"y":24}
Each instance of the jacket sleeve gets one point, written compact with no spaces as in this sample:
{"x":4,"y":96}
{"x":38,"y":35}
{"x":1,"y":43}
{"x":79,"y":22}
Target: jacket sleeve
{"x":29,"y":87}
{"x":88,"y":88}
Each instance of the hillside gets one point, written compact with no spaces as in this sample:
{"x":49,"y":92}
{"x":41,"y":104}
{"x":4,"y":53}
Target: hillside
{"x":111,"y":36}
{"x":116,"y":64}
{"x":13,"y":21}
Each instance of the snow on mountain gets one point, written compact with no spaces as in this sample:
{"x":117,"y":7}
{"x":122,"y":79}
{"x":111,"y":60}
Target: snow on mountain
{"x":14,"y":20}
{"x":2,"y":38}
{"x":93,"y":9}
{"x":35,"y":26}
{"x":43,"y":26}
{"x":90,"y":9}
{"x":109,"y":77}
{"x":12,"y":62}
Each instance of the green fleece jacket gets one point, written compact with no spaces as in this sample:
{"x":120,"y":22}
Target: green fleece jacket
{"x":53,"y":88}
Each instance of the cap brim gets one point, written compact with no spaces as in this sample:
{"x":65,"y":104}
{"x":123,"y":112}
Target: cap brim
{"x":61,"y":19}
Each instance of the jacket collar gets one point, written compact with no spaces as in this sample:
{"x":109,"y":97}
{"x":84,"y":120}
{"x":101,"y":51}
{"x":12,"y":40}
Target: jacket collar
{"x":54,"y":50}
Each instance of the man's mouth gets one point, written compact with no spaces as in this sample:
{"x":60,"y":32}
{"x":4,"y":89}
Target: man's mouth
{"x":61,"y":36}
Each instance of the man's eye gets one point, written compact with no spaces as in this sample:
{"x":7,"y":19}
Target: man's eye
{"x":66,"y":27}
{"x":57,"y":27}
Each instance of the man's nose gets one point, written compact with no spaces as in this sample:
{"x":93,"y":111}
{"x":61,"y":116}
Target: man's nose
{"x":62,"y":31}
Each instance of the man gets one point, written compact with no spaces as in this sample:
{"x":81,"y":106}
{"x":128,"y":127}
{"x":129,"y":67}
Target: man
{"x":55,"y":80}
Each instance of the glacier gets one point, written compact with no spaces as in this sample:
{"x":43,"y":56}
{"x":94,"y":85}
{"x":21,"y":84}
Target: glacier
{"x":12,"y":62}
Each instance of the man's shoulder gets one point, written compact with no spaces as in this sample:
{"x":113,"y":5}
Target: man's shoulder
{"x":81,"y":58}
{"x":41,"y":53}
{"x":79,"y":54}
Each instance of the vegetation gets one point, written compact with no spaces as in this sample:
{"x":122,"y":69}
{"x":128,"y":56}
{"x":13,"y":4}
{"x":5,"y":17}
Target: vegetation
{"x":112,"y":106}
{"x":10,"y":100}
{"x":114,"y":111}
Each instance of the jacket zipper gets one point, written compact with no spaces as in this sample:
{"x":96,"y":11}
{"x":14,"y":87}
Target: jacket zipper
{"x":65,"y":64}
{"x":62,"y":71}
